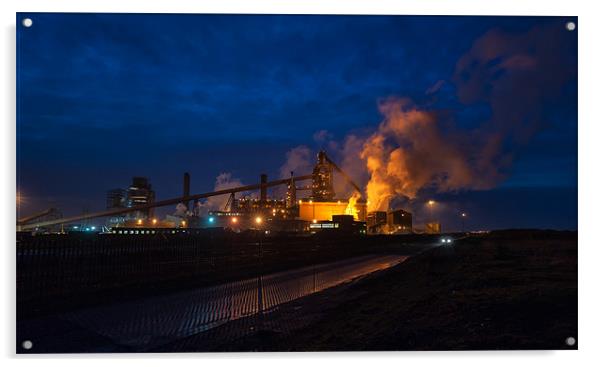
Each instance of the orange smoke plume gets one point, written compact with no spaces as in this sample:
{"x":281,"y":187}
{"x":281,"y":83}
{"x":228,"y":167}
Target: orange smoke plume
{"x":351,"y":208}
{"x":410,"y":151}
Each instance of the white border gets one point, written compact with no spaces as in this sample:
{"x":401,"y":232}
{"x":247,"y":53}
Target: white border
{"x":590,"y":182}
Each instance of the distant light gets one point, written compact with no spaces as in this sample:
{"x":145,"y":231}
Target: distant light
{"x":258,"y":220}
{"x":211,"y":219}
{"x":183,"y":223}
{"x":234,"y":220}
{"x":93,"y":228}
{"x":431,"y":202}
{"x":311,"y":202}
{"x":315,"y":221}
{"x":139,"y":221}
{"x":300,"y":201}
{"x":75,"y":227}
{"x":463,"y":214}
{"x":154,"y":220}
{"x":443,"y":240}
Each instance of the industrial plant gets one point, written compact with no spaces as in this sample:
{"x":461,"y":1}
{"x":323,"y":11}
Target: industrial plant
{"x":310,"y":205}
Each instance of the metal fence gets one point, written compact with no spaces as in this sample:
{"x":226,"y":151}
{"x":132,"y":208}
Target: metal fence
{"x":56,"y":269}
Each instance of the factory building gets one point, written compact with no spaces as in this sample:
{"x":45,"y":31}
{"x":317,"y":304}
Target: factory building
{"x":290,"y":214}
{"x":324,"y":210}
{"x":322,"y":188}
{"x":242,"y":220}
{"x":340,"y":224}
{"x":140,"y":193}
{"x":322,"y":205}
{"x":116,"y":198}
{"x":399,"y":221}
{"x":392,"y":222}
{"x":273,"y":207}
{"x":376,"y":222}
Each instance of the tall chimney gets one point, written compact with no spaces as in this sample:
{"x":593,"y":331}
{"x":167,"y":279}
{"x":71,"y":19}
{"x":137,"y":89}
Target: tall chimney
{"x":291,"y":193}
{"x":186,"y":188}
{"x":264,"y":190}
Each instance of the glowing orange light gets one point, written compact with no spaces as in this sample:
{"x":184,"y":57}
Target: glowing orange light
{"x":234,"y":220}
{"x":139,"y":221}
{"x":183,"y":223}
{"x":431,"y":202}
{"x":258,"y":220}
{"x":20,"y":198}
{"x":315,"y":221}
{"x":154,"y":220}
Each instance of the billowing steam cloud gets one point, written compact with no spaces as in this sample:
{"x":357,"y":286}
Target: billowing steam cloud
{"x":514,"y":74}
{"x":414,"y":149}
{"x":222,"y":182}
{"x":299,"y":160}
{"x":410,"y":151}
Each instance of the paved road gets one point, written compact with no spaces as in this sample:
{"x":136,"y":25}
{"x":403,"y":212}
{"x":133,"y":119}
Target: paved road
{"x":146,"y":324}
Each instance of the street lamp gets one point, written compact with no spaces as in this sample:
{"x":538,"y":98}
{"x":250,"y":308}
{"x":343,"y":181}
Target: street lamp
{"x":463,"y":215}
{"x":431,"y":203}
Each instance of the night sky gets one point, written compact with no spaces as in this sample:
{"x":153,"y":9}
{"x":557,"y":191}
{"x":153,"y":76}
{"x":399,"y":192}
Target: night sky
{"x":104,"y":97}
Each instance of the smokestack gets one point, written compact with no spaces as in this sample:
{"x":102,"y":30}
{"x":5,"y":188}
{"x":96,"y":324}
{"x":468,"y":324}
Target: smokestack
{"x":291,"y":194}
{"x":264,"y":189}
{"x":186,"y":188}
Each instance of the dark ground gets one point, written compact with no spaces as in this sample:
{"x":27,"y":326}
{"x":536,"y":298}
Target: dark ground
{"x":506,"y":290}
{"x":61,"y":273}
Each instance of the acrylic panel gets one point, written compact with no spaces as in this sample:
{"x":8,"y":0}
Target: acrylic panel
{"x":228,"y":183}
